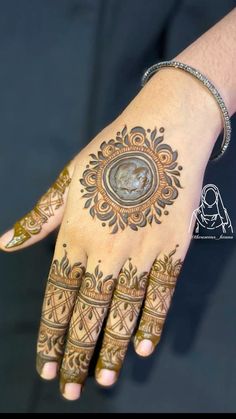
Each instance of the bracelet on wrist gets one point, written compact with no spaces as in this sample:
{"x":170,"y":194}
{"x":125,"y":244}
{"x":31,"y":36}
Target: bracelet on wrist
{"x":209,"y":85}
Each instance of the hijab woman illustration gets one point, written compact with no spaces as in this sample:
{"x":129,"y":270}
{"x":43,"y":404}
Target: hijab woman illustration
{"x":211,"y":214}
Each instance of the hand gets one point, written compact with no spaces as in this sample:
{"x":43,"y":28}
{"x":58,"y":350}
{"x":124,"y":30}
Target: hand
{"x":124,"y":204}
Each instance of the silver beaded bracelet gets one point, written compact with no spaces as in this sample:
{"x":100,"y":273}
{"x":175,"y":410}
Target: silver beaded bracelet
{"x":204,"y":80}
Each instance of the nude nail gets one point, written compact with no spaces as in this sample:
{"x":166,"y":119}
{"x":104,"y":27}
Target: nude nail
{"x":71,"y":391}
{"x":49,"y":370}
{"x":145,"y":347}
{"x":106,"y":377}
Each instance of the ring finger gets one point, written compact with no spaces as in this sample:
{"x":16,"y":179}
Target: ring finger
{"x":125,"y":308}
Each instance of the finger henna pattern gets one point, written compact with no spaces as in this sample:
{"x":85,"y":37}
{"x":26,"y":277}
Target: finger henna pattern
{"x":131,"y":179}
{"x":161,"y":286}
{"x":61,"y":292}
{"x":88,"y":316}
{"x":126,"y":304}
{"x":45,"y":208}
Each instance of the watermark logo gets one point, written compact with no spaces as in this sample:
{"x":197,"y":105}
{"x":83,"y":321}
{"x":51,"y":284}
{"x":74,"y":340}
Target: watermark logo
{"x":211,"y":218}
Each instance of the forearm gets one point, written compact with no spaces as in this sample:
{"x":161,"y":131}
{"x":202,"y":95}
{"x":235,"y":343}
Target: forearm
{"x":186,"y":106}
{"x":214,"y":54}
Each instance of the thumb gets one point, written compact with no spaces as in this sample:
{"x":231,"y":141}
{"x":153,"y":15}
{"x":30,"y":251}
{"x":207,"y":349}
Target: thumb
{"x":43,"y":218}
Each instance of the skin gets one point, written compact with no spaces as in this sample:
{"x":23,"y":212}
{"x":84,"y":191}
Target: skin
{"x":98,"y":273}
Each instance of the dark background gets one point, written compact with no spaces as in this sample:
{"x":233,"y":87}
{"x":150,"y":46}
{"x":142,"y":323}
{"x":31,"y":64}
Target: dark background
{"x":67,"y":68}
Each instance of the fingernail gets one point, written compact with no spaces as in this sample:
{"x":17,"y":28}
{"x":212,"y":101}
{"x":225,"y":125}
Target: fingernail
{"x":145,"y":347}
{"x":10,"y":239}
{"x":6,"y":238}
{"x":17,"y":236}
{"x":15,"y":241}
{"x":106,"y":377}
{"x":45,"y":368}
{"x":49,"y":370}
{"x":71,"y":391}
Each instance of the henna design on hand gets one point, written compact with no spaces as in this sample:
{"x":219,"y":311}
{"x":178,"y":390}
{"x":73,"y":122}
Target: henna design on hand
{"x":131,"y":179}
{"x":88,"y":316}
{"x":61,"y":292}
{"x":126,"y":304}
{"x":161,"y":286}
{"x":45,"y":208}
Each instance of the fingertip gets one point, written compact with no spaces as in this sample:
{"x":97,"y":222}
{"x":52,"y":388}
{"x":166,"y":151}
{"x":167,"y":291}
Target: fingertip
{"x":49,"y":371}
{"x":106,"y":377}
{"x":7,"y":241}
{"x":71,"y":391}
{"x":145,"y":348}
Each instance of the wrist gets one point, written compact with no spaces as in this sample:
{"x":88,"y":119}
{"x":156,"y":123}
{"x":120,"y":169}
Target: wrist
{"x":177,"y":101}
{"x":189,"y":101}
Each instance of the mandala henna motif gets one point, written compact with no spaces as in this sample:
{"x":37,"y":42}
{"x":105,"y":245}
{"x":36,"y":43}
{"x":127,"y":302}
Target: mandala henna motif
{"x":88,"y":316}
{"x":61,"y":292}
{"x":162,"y":281}
{"x":45,"y":208}
{"x":124,"y":311}
{"x":131,"y":179}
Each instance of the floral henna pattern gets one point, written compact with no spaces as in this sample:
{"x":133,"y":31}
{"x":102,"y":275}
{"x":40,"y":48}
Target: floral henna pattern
{"x":126,"y":304}
{"x":75,"y":365}
{"x":45,"y":208}
{"x":131,"y":179}
{"x":85,"y":326}
{"x":162,"y":281}
{"x":61,"y":292}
